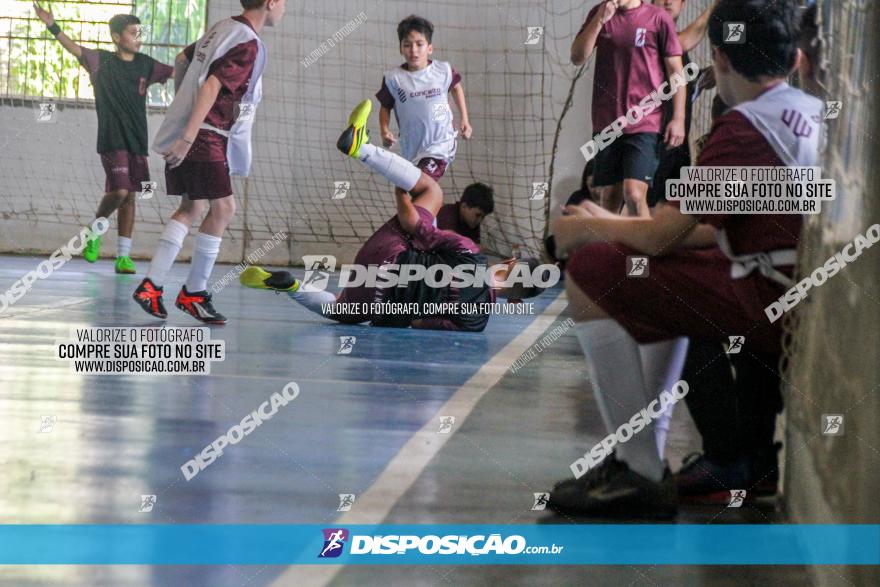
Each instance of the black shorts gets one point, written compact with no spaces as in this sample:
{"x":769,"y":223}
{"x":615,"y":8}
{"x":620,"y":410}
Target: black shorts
{"x":671,"y":162}
{"x":420,"y":293}
{"x":628,"y":157}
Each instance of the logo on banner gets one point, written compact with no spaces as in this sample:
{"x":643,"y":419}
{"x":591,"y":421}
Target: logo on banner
{"x":334,"y":540}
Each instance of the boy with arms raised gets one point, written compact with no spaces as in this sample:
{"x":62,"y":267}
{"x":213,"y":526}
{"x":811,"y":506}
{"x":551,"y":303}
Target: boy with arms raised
{"x":120,"y":79}
{"x":205,"y":138}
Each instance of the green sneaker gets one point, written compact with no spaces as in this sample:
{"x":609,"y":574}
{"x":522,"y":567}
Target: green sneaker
{"x":356,"y":134}
{"x":125,"y":265}
{"x":93,"y":247}
{"x":259,"y":278}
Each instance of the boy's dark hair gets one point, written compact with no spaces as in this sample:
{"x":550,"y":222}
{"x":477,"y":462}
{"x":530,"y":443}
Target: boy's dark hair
{"x":588,"y":171}
{"x":415,"y":23}
{"x":579,"y":196}
{"x":479,"y":195}
{"x":772,"y":31}
{"x":120,"y":22}
{"x":251,"y":4}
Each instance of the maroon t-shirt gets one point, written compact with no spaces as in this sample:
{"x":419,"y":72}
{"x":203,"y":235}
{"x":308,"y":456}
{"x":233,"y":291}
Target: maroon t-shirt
{"x":390,"y":241}
{"x":735,"y":142}
{"x":449,"y":218}
{"x":629,"y":64}
{"x":233,"y":70}
{"x":387,"y":100}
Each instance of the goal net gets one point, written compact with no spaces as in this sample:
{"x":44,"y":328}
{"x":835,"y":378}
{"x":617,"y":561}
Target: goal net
{"x":323,"y":59}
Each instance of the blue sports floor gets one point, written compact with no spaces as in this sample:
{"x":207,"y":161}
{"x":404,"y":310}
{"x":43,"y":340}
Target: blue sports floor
{"x":364,"y":424}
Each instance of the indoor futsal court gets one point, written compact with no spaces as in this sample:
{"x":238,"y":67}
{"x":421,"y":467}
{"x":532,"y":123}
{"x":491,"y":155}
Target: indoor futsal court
{"x":237,"y":349}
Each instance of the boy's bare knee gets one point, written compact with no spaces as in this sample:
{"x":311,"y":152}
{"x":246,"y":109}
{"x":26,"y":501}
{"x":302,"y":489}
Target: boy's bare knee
{"x":223,"y":208}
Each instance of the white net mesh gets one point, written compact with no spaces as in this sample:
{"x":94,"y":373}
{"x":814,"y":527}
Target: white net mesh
{"x":516,"y":93}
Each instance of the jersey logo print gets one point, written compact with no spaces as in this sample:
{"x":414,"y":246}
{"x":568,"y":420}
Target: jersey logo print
{"x":401,"y":95}
{"x":798,"y":124}
{"x":640,"y":36}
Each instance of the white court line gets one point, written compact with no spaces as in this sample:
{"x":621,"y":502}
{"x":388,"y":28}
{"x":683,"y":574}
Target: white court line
{"x":373,"y":506}
{"x":55,"y":305}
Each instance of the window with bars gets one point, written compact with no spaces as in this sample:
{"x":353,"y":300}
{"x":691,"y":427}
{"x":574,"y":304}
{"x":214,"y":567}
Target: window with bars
{"x":34,"y":65}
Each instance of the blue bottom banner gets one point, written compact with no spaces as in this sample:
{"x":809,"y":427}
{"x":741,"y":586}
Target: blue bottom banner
{"x":436,"y":544}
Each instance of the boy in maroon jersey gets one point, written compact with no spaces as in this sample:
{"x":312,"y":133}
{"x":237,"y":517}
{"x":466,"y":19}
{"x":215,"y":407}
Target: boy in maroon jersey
{"x":205,"y":138}
{"x":465,"y":216}
{"x":707,"y":294}
{"x":120,"y":79}
{"x":636,"y":48}
{"x":409,"y":238}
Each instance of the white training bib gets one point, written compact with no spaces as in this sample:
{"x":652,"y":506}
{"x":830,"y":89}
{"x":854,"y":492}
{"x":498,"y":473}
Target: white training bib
{"x":421,"y":106}
{"x":219,"y":40}
{"x":790,"y":120}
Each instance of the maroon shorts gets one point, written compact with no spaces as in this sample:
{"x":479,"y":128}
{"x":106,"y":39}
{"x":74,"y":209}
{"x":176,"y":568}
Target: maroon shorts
{"x":124,"y":171}
{"x":199,"y":180}
{"x":204,"y":173}
{"x":433,"y":167}
{"x":686,"y":293}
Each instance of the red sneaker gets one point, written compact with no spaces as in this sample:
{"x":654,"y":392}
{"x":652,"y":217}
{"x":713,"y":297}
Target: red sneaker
{"x":198,"y":305}
{"x":148,"y":296}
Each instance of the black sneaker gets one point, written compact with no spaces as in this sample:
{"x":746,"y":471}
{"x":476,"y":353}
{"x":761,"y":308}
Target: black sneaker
{"x":148,"y":296}
{"x":616,"y":492}
{"x":600,"y":474}
{"x":701,"y":480}
{"x":198,"y":305}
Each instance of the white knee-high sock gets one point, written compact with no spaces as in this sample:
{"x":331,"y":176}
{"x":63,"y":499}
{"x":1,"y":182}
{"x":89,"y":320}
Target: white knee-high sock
{"x":662,"y":363}
{"x":391,"y":166}
{"x":166,"y":251}
{"x":615,"y":368}
{"x":312,"y":300}
{"x":123,"y":246}
{"x":205,"y":253}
